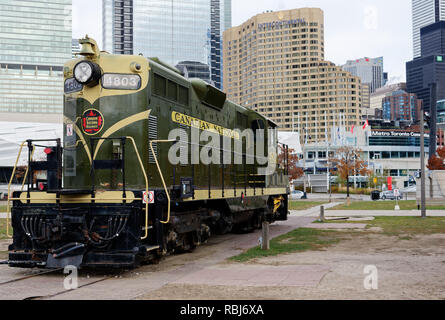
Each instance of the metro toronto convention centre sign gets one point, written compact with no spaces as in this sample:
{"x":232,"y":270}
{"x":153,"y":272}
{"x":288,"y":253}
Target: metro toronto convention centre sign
{"x":376,"y":133}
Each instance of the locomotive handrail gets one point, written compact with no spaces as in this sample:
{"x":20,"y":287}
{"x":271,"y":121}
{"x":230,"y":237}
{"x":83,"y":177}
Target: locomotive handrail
{"x":8,"y":209}
{"x":162,"y":177}
{"x":25,"y":177}
{"x":123,"y":173}
{"x":146,"y":186}
{"x":8,"y":204}
{"x":27,"y":168}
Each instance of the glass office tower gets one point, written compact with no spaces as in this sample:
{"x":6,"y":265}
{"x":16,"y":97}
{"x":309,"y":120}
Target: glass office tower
{"x":370,"y":71}
{"x":173,"y":31}
{"x":425,"y":12}
{"x":35,"y":42}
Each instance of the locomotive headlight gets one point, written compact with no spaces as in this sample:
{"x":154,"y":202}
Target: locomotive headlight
{"x":88,"y":73}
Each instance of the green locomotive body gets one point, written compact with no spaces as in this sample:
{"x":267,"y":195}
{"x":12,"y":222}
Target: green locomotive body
{"x":113,"y":197}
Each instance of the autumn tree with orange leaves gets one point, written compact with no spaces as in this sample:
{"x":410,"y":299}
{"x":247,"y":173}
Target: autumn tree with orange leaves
{"x":437,"y":162}
{"x":348,"y":162}
{"x":294,"y":171}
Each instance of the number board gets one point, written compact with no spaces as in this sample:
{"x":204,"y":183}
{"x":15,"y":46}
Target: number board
{"x":71,"y":85}
{"x":121,"y":81}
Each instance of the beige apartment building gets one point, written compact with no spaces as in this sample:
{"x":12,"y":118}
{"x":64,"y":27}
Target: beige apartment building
{"x":274,"y":63}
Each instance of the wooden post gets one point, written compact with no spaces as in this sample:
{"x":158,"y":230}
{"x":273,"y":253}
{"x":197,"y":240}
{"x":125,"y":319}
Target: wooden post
{"x":265,"y":245}
{"x":321,"y":213}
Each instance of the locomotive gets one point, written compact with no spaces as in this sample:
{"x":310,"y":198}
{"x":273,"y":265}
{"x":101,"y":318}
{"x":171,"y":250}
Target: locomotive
{"x":112,"y":197}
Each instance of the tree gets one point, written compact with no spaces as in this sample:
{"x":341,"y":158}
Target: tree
{"x":437,"y":162}
{"x":347,"y":161}
{"x":294,"y":171}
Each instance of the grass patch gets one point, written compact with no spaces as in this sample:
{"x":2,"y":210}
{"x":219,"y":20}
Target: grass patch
{"x":408,"y":226}
{"x":2,"y":208}
{"x":403,"y":227}
{"x":303,"y":205}
{"x":3,"y":229}
{"x":305,"y":239}
{"x":384,"y":205}
{"x":302,"y":239}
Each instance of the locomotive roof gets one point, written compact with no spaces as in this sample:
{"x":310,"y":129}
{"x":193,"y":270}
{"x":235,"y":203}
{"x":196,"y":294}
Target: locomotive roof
{"x":174,"y":74}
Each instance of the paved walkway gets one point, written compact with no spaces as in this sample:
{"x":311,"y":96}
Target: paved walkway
{"x":315,"y":212}
{"x":337,"y":226}
{"x":257,"y":276}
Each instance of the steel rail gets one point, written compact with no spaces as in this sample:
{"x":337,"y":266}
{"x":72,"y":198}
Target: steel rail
{"x":30,"y":276}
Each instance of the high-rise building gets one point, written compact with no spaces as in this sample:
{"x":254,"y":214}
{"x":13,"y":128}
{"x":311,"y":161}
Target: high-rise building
{"x":401,"y":106}
{"x":365,"y":95}
{"x":425,"y":12}
{"x":429,"y":68}
{"x":35,"y":42}
{"x":193,"y":69}
{"x":75,"y":47}
{"x":274,"y":64}
{"x":433,"y":39}
{"x":173,"y":31}
{"x":441,"y":114}
{"x":385,"y":78}
{"x":369,"y":70}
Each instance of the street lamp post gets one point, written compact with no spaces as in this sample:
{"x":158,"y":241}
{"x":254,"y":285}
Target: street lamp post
{"x":422,"y":166}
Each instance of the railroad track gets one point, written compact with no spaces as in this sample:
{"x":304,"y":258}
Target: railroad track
{"x":30,"y":276}
{"x":53,"y":271}
{"x":66,"y":291}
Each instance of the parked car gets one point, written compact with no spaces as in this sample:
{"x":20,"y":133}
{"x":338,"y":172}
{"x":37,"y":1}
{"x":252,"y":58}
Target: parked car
{"x":411,"y":189}
{"x":389,"y":195}
{"x":296,"y":195}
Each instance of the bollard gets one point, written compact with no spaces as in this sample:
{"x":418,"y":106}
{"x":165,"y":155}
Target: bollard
{"x":265,"y":245}
{"x":321,"y":213}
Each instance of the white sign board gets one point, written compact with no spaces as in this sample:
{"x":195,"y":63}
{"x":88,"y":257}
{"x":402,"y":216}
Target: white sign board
{"x":396,"y":192}
{"x":148,"y":197}
{"x":69,"y":129}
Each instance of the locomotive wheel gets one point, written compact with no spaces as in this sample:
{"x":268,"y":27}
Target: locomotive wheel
{"x":186,"y":243}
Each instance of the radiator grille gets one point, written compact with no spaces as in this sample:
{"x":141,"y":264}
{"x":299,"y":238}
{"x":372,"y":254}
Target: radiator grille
{"x":184,"y":144}
{"x":152,"y":135}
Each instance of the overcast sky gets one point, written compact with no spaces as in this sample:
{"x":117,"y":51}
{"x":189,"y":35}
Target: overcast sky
{"x":353,"y":28}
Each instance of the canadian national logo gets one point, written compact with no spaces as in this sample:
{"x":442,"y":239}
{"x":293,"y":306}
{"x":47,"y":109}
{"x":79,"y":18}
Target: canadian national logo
{"x":203,"y":125}
{"x":92,"y":121}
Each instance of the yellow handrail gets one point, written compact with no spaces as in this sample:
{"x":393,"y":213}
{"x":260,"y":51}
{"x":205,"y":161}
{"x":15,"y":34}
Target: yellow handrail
{"x":146,"y":186}
{"x":27,"y":168}
{"x":8,"y":206}
{"x":162,"y":177}
{"x":143,"y":171}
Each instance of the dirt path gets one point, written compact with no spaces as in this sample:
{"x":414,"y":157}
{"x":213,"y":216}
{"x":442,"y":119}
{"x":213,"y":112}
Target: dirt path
{"x":407,"y":269}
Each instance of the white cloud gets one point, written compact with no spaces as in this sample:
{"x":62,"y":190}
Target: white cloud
{"x":87,"y":19}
